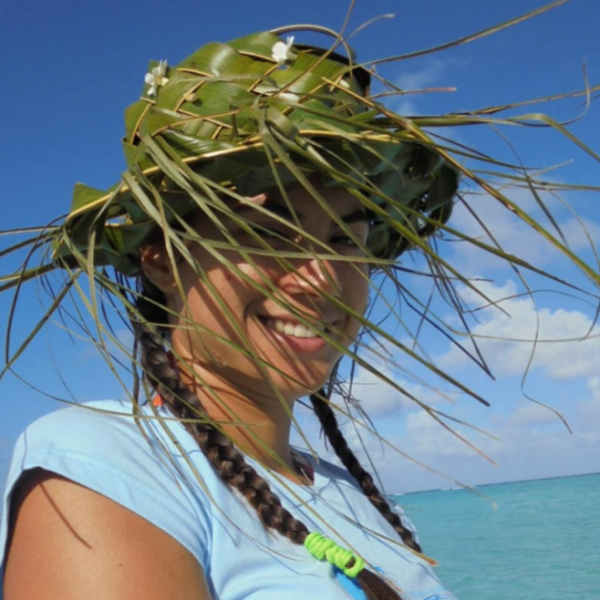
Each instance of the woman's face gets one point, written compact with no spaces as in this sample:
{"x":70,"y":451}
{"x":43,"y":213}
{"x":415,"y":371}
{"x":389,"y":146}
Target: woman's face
{"x":231,"y":312}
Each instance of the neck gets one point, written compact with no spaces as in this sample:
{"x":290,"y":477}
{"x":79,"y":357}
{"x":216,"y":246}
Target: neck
{"x":258,"y":426}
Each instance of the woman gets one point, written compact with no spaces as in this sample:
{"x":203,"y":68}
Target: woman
{"x":264,"y":187}
{"x":253,"y":277}
{"x":212,"y":375}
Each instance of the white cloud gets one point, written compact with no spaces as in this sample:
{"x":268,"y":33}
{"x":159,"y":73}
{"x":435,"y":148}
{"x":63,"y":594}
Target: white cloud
{"x":577,"y":236}
{"x":501,"y":334}
{"x":593,"y":384}
{"x":525,"y":433}
{"x":407,"y":108}
{"x":588,"y":412}
{"x":427,"y":438}
{"x":532,"y":442}
{"x":513,"y":234}
{"x":532,"y":414}
{"x":378,"y":398}
{"x":433,"y":73}
{"x":433,"y":70}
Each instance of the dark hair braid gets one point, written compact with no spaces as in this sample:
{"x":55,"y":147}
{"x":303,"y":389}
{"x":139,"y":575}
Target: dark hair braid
{"x":329,"y":423}
{"x":217,"y":447}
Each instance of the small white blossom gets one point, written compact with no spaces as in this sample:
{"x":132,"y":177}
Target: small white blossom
{"x":156,"y":78}
{"x":282,"y":51}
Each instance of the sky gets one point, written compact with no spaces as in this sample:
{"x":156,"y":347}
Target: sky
{"x":72,"y":67}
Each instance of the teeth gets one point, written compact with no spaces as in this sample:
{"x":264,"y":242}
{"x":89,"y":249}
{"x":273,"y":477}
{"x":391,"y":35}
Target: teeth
{"x":293,"y":329}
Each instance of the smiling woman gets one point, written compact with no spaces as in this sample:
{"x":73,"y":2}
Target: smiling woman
{"x":287,"y":330}
{"x":261,"y":332}
{"x":252,"y":265}
{"x":265,"y":188}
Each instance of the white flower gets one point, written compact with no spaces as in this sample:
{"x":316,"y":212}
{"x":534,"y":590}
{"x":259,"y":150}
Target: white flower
{"x":282,"y":51}
{"x":156,"y":77}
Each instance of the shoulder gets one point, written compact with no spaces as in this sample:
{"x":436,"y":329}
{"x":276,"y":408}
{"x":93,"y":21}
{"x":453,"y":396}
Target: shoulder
{"x":108,"y":435}
{"x":108,"y":443}
{"x":138,"y":463}
{"x":104,"y":437}
{"x":107,"y":541}
{"x":83,"y":427}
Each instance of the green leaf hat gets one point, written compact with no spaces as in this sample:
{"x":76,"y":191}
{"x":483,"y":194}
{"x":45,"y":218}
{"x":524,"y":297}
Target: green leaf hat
{"x":247,"y":116}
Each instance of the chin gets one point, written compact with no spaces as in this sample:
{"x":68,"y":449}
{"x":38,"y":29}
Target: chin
{"x":298,"y":385}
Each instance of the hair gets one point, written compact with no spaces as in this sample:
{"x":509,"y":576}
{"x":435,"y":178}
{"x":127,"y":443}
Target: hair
{"x":223,"y":455}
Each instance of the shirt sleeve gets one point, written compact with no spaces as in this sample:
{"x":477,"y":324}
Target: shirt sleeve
{"x":101,"y":446}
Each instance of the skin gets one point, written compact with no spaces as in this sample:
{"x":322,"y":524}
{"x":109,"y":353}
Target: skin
{"x":111,"y":546}
{"x":70,"y":543}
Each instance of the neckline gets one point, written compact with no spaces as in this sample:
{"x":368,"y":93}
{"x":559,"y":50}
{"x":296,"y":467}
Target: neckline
{"x":304,"y":466}
{"x":303,"y":470}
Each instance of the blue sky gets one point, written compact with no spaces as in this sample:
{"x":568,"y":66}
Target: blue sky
{"x":71,"y":68}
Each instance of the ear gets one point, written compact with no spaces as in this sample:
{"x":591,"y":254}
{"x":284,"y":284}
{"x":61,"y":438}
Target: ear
{"x":158,"y":267}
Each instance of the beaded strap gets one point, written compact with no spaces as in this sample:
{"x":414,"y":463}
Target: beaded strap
{"x":322,"y":547}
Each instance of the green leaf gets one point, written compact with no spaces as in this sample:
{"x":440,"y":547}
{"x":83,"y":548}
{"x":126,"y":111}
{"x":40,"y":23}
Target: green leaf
{"x":83,"y":195}
{"x":211,"y":59}
{"x":256,"y":44}
{"x":217,"y":100}
{"x":329,"y":68}
{"x":425,"y":162}
{"x":158,"y":118}
{"x":133,"y":116}
{"x":443,"y":189}
{"x":180,"y":85}
{"x":136,"y":157}
{"x":188,"y":145}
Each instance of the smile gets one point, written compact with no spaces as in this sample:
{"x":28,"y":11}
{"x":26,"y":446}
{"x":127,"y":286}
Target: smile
{"x":296,"y":336}
{"x":293,"y":329}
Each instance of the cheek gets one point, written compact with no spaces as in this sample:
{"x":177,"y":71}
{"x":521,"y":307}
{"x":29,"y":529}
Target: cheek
{"x":356,"y":296}
{"x":356,"y":284}
{"x":236,"y":271}
{"x":236,"y":288}
{"x":229,"y":276}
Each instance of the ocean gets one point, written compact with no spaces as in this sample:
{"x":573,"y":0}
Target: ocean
{"x":530,"y":540}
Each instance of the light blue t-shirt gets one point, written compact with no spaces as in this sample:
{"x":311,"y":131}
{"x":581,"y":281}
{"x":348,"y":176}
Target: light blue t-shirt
{"x":99,"y":445}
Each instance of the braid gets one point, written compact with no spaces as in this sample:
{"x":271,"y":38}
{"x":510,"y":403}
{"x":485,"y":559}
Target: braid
{"x":217,"y":447}
{"x":228,"y":461}
{"x":329,"y":423}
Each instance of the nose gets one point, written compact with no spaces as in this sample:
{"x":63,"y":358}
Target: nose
{"x":312,"y":277}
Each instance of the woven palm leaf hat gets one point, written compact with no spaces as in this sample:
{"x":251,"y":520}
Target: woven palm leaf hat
{"x":248,"y":116}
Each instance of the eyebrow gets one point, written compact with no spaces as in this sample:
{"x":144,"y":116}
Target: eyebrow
{"x":356,"y":216}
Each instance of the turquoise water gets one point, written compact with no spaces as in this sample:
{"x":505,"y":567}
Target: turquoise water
{"x":541,"y":543}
